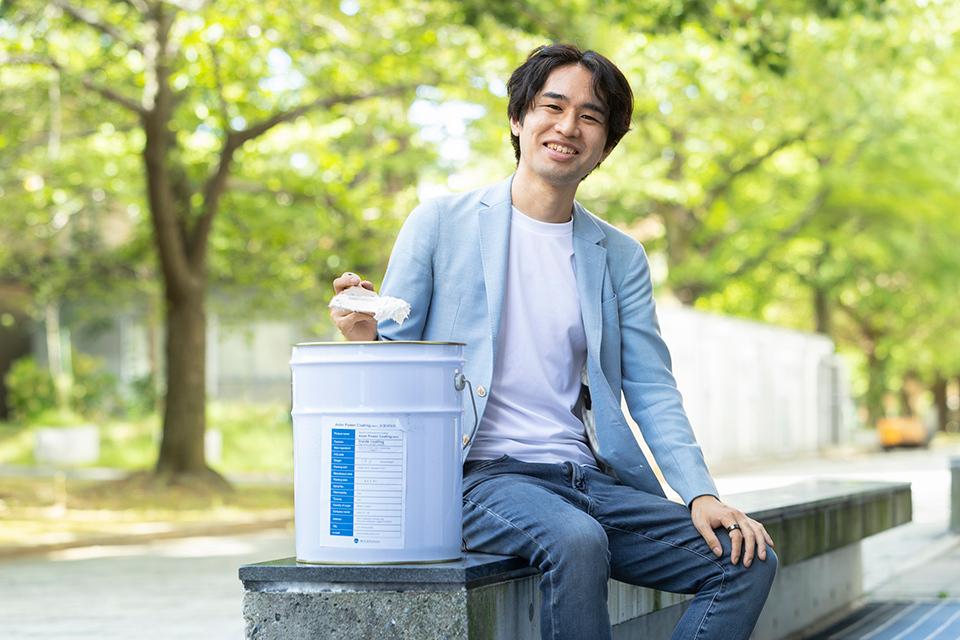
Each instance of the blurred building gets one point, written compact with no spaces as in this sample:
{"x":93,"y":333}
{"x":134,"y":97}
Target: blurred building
{"x":248,"y":362}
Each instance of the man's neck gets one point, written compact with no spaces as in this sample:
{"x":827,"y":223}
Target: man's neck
{"x":542,"y":201}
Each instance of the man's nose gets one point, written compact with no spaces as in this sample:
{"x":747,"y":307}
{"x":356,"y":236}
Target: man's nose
{"x":568,"y":124}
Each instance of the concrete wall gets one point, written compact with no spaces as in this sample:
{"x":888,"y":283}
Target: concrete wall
{"x":754,"y":390}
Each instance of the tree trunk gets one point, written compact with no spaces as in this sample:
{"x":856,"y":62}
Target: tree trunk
{"x":953,"y":406}
{"x":679,"y":224}
{"x":184,"y":418}
{"x":939,"y":389}
{"x":877,"y":389}
{"x":821,"y":306}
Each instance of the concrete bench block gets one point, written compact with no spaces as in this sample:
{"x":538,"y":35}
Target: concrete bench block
{"x":809,"y":519}
{"x":817,"y":527}
{"x":479,"y":596}
{"x":356,"y":615}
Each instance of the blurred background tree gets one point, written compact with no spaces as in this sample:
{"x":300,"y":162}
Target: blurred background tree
{"x":791,"y":161}
{"x":224,"y":132}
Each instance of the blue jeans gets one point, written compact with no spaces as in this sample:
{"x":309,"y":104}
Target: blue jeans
{"x":580,"y":527}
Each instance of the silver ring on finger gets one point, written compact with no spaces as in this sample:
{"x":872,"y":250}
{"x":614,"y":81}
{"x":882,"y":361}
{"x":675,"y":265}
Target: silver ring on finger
{"x":732,"y":528}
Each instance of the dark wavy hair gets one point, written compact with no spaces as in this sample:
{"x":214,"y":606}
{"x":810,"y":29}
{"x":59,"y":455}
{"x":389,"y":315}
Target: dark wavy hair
{"x":609,"y":84}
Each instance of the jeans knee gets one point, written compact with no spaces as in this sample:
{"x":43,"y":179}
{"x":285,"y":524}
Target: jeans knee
{"x":760,"y":573}
{"x":582,"y":548}
{"x":770,"y":565}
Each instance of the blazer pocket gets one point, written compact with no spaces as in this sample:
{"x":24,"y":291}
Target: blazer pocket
{"x":610,"y":340}
{"x":609,"y":309}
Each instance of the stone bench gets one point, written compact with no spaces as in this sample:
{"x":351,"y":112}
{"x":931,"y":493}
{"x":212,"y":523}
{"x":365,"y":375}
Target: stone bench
{"x":817,"y":525}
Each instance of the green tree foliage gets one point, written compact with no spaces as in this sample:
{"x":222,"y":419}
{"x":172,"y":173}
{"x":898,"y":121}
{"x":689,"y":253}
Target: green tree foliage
{"x":817,"y":195}
{"x":264,"y":145}
{"x":791,"y":160}
{"x":785,"y":154}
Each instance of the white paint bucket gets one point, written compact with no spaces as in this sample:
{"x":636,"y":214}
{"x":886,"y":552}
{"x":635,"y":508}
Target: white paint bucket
{"x":377,"y":433}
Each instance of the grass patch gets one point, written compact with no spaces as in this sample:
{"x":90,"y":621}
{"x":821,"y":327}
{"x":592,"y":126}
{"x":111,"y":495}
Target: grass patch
{"x":136,"y":494}
{"x":256,"y":438}
{"x":16,"y":444}
{"x":143,"y":492}
{"x":130,"y":444}
{"x":44,"y":510}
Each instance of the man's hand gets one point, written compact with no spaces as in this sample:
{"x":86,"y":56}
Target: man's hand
{"x":354,"y":325}
{"x":750,"y":537}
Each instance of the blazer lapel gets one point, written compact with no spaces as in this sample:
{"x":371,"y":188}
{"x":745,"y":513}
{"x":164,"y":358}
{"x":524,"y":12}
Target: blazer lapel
{"x":591,"y":260}
{"x":493,"y":222}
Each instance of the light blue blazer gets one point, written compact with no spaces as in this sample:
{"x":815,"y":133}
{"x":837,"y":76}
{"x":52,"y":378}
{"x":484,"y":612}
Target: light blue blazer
{"x":450,"y":262}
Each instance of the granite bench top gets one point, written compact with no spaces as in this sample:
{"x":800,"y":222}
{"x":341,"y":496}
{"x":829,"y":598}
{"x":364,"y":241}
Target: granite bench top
{"x":812,"y":510}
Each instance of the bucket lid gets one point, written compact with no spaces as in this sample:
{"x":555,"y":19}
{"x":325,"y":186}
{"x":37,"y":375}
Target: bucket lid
{"x":372,"y":342}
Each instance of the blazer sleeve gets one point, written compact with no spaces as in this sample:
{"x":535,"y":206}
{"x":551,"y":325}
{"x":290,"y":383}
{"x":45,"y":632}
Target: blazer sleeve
{"x":410,"y":272}
{"x":650,"y":389}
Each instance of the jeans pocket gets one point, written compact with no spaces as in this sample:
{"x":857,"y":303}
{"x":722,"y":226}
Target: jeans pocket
{"x":478,"y":465}
{"x":473,"y":471}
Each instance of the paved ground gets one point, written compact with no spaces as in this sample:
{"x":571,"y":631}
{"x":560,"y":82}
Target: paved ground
{"x":189,"y":589}
{"x":898,"y":621}
{"x":168,"y":590}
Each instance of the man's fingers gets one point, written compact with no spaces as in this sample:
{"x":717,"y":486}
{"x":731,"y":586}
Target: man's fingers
{"x":761,"y":542}
{"x":348,"y":319}
{"x":763,"y":539}
{"x":755,"y":540}
{"x":749,"y":546}
{"x":748,"y":538}
{"x":355,"y":325}
{"x":736,"y":543}
{"x":711,"y":539}
{"x":766,"y":537}
{"x":348,"y":279}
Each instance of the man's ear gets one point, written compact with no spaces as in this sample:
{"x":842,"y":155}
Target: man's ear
{"x":515,"y":127}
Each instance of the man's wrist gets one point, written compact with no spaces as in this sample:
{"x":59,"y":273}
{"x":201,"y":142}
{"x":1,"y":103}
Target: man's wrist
{"x":703,"y":495}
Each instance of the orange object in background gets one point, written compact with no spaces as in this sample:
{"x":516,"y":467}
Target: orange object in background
{"x":902,"y":431}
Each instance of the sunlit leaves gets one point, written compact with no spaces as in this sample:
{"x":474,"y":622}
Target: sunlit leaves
{"x":781,"y":151}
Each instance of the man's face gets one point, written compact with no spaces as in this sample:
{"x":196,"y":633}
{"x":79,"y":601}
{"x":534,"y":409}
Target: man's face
{"x":563,"y":134}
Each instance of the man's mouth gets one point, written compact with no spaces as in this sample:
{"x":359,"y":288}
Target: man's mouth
{"x":561,"y":149}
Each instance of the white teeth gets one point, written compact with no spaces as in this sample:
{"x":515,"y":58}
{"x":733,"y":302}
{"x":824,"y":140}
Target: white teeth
{"x":557,"y":147}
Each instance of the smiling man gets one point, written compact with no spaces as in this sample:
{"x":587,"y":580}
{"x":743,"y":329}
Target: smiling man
{"x":556,"y":309}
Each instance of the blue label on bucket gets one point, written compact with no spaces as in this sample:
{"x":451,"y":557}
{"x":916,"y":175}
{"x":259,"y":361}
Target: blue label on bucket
{"x":342,"y":469}
{"x":363,"y":475}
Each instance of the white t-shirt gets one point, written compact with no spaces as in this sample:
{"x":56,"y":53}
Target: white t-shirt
{"x":541,"y":350}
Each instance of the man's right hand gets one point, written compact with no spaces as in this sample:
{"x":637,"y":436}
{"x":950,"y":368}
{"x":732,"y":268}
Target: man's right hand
{"x":354,"y":325}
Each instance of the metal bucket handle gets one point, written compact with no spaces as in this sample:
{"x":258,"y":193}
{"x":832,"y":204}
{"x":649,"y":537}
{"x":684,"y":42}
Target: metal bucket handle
{"x":460,"y":382}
